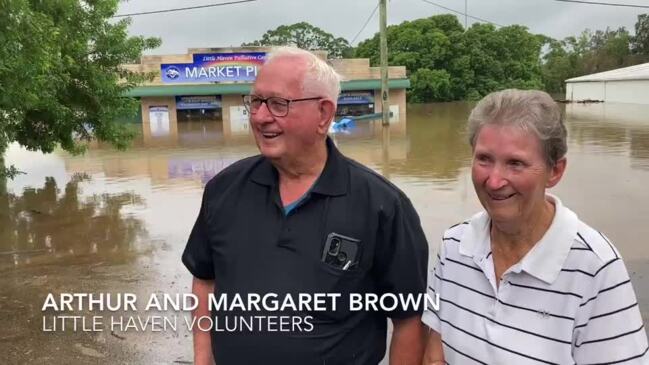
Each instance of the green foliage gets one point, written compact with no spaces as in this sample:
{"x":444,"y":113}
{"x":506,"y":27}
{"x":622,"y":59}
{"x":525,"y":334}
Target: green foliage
{"x":429,"y":85}
{"x":490,"y":59}
{"x":306,"y":36}
{"x":641,"y":39}
{"x":484,"y":58}
{"x":60,"y":73}
{"x":593,"y":52}
{"x":445,"y":62}
{"x":421,"y":43}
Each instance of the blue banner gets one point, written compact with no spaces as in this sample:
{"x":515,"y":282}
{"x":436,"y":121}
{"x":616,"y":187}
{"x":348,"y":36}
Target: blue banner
{"x":355,"y":99}
{"x":214,"y":67}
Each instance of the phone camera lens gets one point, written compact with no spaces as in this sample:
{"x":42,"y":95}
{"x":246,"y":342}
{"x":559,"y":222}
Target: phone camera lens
{"x":342,"y":257}
{"x":334,"y":247}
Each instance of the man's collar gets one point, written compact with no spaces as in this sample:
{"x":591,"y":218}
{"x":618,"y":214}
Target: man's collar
{"x":333,"y":180}
{"x":264,"y":173}
{"x":545,"y":260}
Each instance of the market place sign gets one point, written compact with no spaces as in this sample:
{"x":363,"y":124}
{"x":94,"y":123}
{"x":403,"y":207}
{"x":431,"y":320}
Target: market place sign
{"x":214,"y":68}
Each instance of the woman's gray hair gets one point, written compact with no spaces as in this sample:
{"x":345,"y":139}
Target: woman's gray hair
{"x":319,"y":75}
{"x":531,"y":110}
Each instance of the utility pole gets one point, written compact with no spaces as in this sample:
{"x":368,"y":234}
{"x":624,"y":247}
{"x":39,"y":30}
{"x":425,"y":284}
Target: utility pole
{"x":466,"y":14}
{"x":385,"y":105}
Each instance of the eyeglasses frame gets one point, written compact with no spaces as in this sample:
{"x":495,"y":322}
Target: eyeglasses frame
{"x":265,"y":101}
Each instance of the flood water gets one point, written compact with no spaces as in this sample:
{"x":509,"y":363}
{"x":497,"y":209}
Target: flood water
{"x":117,"y":222}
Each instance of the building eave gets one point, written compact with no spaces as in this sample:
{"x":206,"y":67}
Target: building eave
{"x":244,"y":88}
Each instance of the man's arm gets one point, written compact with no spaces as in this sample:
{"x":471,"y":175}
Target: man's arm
{"x":434,"y":354}
{"x":202,"y":341}
{"x":407,"y":345}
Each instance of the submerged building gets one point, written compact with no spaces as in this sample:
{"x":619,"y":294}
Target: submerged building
{"x":209,"y":84}
{"x":623,"y":85}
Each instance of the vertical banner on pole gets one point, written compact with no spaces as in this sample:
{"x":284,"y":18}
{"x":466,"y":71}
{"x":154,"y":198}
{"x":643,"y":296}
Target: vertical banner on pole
{"x":239,"y":119}
{"x":159,"y":120}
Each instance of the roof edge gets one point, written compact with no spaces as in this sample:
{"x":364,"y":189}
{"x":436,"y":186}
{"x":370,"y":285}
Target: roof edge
{"x":244,"y":88}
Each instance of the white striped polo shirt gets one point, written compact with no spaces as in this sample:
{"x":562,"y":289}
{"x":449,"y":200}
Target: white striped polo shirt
{"x":568,"y":301}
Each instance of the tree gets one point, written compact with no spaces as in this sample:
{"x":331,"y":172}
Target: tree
{"x":489,"y":59}
{"x":592,"y":52}
{"x":557,"y":66}
{"x":430,"y":85}
{"x":421,"y":43}
{"x":306,"y":36}
{"x":641,"y":38}
{"x":60,"y":74}
{"x":445,"y":62}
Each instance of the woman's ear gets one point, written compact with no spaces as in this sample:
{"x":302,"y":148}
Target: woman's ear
{"x":556,"y":172}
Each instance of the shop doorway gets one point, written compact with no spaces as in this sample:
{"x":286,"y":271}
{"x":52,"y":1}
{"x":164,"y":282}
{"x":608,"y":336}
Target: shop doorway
{"x":355,"y":103}
{"x":199,"y":108}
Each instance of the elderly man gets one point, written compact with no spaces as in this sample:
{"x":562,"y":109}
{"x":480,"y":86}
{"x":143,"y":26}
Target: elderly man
{"x":302,"y":219}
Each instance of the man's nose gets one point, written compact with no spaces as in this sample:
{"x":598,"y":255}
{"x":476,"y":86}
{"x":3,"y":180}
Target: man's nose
{"x":263,"y":114}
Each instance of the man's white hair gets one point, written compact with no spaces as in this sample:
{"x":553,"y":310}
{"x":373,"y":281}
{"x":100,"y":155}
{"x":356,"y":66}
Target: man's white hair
{"x":319,"y":75}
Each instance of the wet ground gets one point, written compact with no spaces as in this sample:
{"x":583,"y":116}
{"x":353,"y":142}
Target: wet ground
{"x":116,"y":222}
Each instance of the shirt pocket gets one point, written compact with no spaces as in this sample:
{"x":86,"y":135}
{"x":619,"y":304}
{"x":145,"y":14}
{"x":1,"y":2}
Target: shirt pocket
{"x":332,"y":280}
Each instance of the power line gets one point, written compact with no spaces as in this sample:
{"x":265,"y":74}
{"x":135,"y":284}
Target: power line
{"x":605,"y":4}
{"x":365,"y":25}
{"x":461,"y":13}
{"x":181,"y":9}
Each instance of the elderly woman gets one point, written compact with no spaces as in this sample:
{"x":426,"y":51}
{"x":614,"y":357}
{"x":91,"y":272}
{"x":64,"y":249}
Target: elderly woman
{"x":526,"y":281}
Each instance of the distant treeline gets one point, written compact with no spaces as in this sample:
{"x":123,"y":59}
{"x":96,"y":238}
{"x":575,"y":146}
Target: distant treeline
{"x":446,"y":62}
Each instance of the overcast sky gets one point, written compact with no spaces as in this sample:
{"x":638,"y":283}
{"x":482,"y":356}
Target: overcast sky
{"x":232,"y":25}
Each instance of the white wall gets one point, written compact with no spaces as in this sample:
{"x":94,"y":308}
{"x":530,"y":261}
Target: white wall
{"x":629,"y":91}
{"x":636,"y":92}
{"x":585,"y":90}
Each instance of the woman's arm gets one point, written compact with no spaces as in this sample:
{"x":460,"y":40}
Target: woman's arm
{"x":434,"y":353}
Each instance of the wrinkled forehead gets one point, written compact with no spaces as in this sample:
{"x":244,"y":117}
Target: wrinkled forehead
{"x":508,"y":139}
{"x":281,"y":76}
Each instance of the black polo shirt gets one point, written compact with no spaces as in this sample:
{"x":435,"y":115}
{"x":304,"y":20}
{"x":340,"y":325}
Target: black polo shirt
{"x":244,"y":242}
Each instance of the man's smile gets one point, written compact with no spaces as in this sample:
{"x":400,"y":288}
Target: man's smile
{"x":270,"y":135}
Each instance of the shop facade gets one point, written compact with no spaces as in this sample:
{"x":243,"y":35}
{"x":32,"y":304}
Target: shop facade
{"x":209,"y":85}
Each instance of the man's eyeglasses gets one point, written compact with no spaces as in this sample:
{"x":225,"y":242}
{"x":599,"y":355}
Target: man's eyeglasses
{"x":276,"y":106}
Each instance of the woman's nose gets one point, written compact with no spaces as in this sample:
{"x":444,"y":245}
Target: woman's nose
{"x":496,"y":178}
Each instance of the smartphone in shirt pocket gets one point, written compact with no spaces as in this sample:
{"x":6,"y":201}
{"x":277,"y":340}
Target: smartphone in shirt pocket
{"x":341,"y":252}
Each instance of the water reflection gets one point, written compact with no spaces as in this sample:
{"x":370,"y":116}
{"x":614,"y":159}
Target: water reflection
{"x":43,"y":225}
{"x":438,"y":147}
{"x":612,"y":128}
{"x":433,"y":147}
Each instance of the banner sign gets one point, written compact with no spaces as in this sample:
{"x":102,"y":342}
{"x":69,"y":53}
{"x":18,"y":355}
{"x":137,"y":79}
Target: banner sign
{"x":198,"y":102}
{"x":355,"y":98}
{"x":159,"y":120}
{"x":214,"y":67}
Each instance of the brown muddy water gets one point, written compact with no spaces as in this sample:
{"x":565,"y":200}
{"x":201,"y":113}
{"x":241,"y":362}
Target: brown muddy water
{"x":116,"y":222}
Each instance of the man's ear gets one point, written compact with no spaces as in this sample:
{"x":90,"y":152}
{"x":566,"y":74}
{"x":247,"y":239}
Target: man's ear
{"x":327,"y":114}
{"x":556,"y":172}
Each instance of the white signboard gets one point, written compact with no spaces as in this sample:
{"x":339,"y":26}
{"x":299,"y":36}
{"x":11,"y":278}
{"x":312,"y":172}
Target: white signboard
{"x":239,"y":123}
{"x":159,"y":121}
{"x":394,"y":109}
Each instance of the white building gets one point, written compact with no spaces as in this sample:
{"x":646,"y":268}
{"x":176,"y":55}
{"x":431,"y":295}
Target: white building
{"x":624,"y":85}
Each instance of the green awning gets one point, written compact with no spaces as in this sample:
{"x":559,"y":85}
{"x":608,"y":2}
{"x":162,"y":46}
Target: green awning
{"x":244,"y":88}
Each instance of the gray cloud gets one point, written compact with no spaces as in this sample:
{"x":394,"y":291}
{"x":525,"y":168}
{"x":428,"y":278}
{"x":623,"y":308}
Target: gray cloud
{"x":234,"y":24}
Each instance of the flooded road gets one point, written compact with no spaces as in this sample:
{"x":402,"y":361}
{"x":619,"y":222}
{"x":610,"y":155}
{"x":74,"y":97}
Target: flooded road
{"x":117,"y":222}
